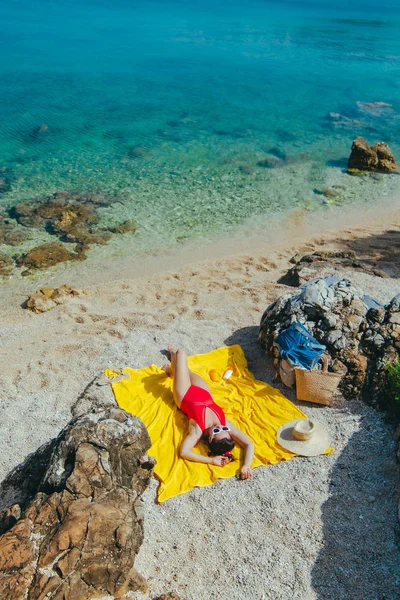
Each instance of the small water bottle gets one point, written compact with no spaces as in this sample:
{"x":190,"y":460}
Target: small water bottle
{"x":228,"y":374}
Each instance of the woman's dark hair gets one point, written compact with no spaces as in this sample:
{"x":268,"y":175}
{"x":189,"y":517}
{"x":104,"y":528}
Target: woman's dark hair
{"x":218,"y":447}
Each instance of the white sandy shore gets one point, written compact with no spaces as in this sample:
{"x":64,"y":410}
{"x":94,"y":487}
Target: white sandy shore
{"x":307,"y":529}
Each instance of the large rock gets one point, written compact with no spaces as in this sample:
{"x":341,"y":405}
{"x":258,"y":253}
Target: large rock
{"x":71,"y":217}
{"x":6,"y":264}
{"x":48,"y":255}
{"x":47,"y":298}
{"x":360,"y":335}
{"x":78,"y":537}
{"x":310,"y":266}
{"x":370,"y":158}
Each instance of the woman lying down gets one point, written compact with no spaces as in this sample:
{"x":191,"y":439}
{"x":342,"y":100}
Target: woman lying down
{"x":207,"y":420}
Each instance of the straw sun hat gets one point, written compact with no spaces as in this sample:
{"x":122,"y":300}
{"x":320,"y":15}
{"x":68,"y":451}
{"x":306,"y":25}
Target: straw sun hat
{"x":304,"y":437}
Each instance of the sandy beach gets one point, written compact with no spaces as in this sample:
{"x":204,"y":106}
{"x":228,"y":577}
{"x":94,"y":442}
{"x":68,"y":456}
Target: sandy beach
{"x":307,"y":529}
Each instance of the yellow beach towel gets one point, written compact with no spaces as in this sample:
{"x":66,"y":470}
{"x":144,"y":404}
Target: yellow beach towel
{"x":255,"y":407}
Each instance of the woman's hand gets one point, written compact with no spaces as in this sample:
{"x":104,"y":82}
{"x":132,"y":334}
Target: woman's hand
{"x":220,"y":461}
{"x":245,"y":472}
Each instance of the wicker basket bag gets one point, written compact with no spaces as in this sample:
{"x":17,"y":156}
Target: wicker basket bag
{"x":314,"y":385}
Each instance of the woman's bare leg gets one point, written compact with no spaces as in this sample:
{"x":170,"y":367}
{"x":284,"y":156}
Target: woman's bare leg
{"x":183,"y":377}
{"x":199,"y":381}
{"x":179,"y":373}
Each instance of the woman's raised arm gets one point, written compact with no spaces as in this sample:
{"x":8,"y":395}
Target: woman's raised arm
{"x":245,"y":442}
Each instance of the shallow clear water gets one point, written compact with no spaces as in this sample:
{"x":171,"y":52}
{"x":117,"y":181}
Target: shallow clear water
{"x":173,"y":104}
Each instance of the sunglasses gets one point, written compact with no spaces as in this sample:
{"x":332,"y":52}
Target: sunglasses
{"x":219,"y":429}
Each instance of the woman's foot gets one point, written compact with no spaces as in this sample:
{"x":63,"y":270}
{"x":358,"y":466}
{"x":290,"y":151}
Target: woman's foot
{"x":172,"y":352}
{"x":169,"y":367}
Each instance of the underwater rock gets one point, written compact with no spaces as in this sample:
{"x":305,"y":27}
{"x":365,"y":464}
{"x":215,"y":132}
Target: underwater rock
{"x":55,"y":214}
{"x":285,"y":136}
{"x":115,"y":134}
{"x":4,"y":185}
{"x":61,"y":209}
{"x":137,"y":152}
{"x":329,"y":193}
{"x":169,"y":596}
{"x":169,"y":134}
{"x":78,"y":537}
{"x":277,"y":152}
{"x":246,"y":170}
{"x":375,"y":109}
{"x":48,"y":255}
{"x":370,"y":158}
{"x":88,"y":198}
{"x":339,"y":121}
{"x":6,"y":178}
{"x":221,"y":132}
{"x":299,"y":158}
{"x":11,"y":235}
{"x":47,"y":298}
{"x":125,"y":227}
{"x":74,"y":225}
{"x":270,"y":162}
{"x":6,"y":264}
{"x":37,"y":132}
{"x":71,"y":217}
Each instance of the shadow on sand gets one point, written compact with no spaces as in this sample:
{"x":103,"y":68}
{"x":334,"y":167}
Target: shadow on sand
{"x":381,"y":251}
{"x":23,"y":482}
{"x":360,"y":558}
{"x":259,"y":364}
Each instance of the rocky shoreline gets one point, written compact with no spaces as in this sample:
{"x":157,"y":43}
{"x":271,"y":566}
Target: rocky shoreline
{"x":72,"y":218}
{"x":76,"y":220}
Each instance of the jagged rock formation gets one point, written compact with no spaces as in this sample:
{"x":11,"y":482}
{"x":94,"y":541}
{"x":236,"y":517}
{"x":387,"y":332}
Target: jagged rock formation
{"x":363,"y":157}
{"x":360,"y":335}
{"x":47,"y":298}
{"x":310,"y":266}
{"x":48,"y":255}
{"x":73,"y":218}
{"x":78,"y":537}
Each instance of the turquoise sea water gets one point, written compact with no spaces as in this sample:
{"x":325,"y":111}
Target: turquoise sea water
{"x":173,"y":105}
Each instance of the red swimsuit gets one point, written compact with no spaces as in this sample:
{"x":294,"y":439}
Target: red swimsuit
{"x":195,"y":402}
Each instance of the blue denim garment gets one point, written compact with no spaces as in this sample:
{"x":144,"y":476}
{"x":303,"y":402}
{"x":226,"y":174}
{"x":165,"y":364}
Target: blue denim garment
{"x":297,"y":345}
